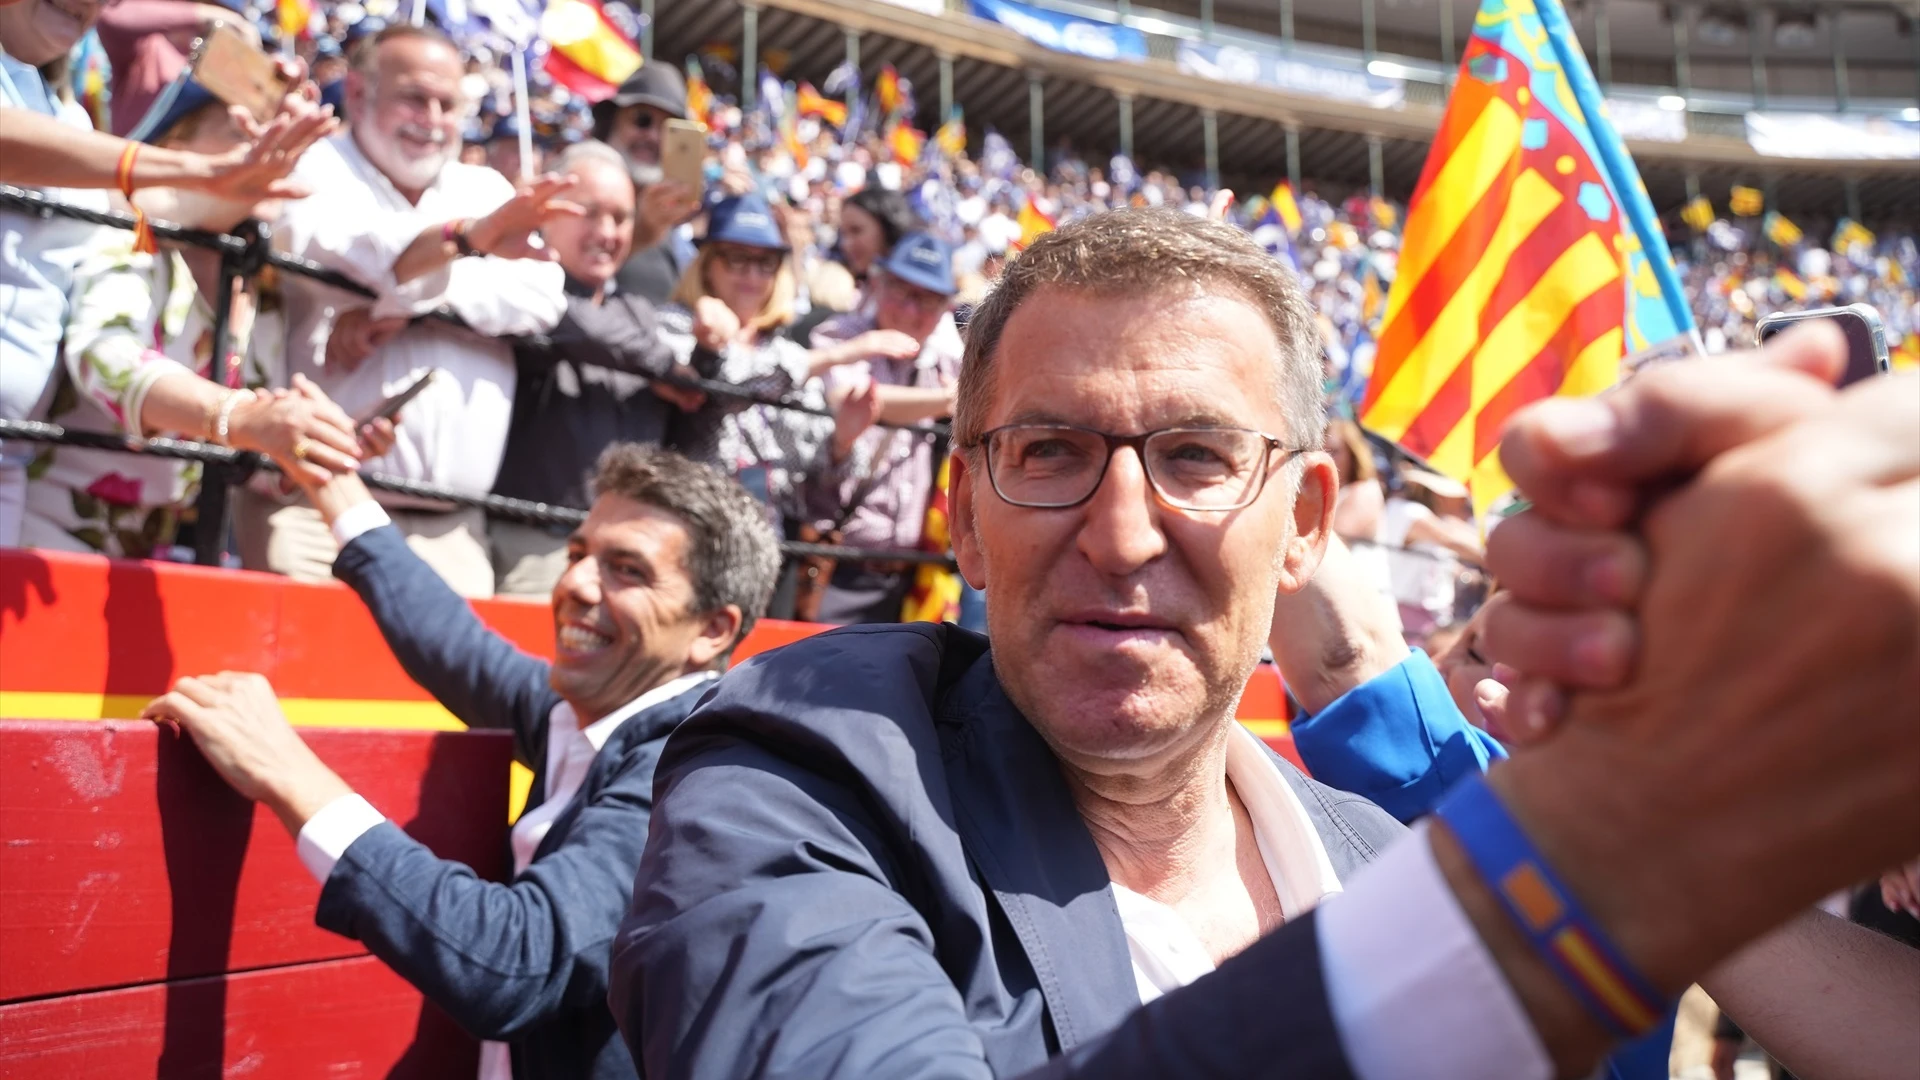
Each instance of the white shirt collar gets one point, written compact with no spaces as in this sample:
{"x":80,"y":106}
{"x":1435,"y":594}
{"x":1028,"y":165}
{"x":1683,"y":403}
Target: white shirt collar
{"x":601,"y":730}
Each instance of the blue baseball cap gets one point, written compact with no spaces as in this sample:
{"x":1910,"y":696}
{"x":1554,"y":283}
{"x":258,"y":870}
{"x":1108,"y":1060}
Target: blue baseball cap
{"x":923,"y":260}
{"x":180,"y":99}
{"x":746,"y":220}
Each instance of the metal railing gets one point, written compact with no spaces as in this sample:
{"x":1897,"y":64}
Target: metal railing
{"x":243,"y":254}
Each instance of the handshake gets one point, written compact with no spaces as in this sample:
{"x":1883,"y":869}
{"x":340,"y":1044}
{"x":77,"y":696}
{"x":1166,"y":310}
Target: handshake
{"x":1709,"y":639}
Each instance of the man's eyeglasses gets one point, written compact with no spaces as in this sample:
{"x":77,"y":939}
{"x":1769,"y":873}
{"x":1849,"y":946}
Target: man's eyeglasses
{"x":741,"y":260}
{"x":1056,"y":466}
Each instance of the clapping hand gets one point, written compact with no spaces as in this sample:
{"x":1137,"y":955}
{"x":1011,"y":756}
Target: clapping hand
{"x":853,"y":416}
{"x":715,"y":326}
{"x":510,"y":231}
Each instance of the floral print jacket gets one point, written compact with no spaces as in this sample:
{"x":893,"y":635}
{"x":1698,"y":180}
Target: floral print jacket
{"x":134,"y":318}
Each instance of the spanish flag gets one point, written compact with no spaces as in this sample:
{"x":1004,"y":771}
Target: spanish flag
{"x":1283,"y":203}
{"x":1033,"y":223}
{"x":699,"y":94}
{"x":1532,"y":261}
{"x":935,"y":596}
{"x":1789,"y":282}
{"x":888,"y":93}
{"x":810,"y":102}
{"x":906,"y":142}
{"x":588,"y":54}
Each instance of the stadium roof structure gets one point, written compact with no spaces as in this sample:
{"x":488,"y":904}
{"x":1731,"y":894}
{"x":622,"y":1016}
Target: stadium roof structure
{"x":993,"y":73}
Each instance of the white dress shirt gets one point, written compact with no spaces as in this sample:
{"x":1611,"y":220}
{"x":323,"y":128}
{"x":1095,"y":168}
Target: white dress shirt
{"x":570,"y":753}
{"x":1413,"y":991}
{"x":356,"y":222}
{"x":1166,"y":952}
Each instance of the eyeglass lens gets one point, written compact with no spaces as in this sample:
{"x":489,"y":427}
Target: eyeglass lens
{"x":1191,"y":468}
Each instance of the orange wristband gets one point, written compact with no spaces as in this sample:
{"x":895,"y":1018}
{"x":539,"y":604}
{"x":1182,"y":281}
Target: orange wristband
{"x":142,"y":232}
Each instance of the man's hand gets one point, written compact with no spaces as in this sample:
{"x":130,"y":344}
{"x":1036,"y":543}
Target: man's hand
{"x":510,"y":230}
{"x":662,"y":206}
{"x":715,"y":326}
{"x":356,"y":334}
{"x":883,"y":345}
{"x":236,"y":722}
{"x":307,"y":435}
{"x":684,"y":398}
{"x":1771,"y":700}
{"x":855,"y":413}
{"x":260,"y":168}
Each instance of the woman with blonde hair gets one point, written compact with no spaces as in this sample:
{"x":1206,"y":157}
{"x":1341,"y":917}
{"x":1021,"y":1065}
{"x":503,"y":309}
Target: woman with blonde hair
{"x":729,"y":320}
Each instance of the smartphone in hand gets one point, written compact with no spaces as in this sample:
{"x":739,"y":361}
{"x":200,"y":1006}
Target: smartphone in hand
{"x":390,"y":408}
{"x":1866,"y":337}
{"x":232,"y":68}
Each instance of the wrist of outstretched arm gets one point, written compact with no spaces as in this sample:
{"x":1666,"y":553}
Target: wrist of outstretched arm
{"x":303,"y":792}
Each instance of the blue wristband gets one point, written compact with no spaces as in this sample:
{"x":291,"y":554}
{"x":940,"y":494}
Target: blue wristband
{"x":1546,"y":912}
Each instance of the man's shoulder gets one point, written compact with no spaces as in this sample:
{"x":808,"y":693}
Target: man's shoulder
{"x":855,"y":694}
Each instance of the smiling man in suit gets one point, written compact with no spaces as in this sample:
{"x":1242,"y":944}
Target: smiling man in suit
{"x":667,"y":574}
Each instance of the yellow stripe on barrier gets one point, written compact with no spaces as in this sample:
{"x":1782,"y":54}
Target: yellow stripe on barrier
{"x":301,"y":712}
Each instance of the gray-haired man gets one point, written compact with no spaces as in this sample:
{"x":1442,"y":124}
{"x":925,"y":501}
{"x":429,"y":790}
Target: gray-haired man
{"x":589,"y":382}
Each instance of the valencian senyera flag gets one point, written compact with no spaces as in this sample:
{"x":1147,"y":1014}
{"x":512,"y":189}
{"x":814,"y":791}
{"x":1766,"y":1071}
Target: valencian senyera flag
{"x":1532,"y":262}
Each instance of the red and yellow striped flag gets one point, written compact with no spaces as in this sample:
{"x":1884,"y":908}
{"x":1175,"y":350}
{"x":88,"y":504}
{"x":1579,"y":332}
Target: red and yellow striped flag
{"x":1531,"y":264}
{"x":906,"y":142}
{"x":935,"y":596}
{"x":812,"y":103}
{"x":1034,"y":223}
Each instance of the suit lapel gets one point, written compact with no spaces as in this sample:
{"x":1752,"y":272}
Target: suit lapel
{"x":652,"y":723}
{"x":1034,"y":853}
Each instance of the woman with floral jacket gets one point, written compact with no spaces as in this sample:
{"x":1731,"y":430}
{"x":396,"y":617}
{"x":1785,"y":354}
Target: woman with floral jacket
{"x":138,"y":360}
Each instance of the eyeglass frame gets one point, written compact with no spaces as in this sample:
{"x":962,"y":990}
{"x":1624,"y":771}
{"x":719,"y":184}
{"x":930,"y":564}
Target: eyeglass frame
{"x":736,"y":259}
{"x":1138,"y":444}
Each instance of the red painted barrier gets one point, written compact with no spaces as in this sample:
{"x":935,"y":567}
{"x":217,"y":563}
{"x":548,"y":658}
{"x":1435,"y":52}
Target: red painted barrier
{"x":125,"y":859}
{"x":132,"y":880}
{"x":350,"y":1019}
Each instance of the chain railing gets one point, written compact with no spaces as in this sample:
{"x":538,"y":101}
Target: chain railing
{"x":243,"y":254}
{"x":238,"y":466}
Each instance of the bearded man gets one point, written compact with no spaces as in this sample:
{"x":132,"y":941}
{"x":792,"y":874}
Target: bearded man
{"x":388,"y":191}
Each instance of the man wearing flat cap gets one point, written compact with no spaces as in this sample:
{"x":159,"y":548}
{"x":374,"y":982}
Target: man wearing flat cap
{"x":632,"y":121}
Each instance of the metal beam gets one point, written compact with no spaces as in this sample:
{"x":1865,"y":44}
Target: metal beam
{"x":1126,"y":124}
{"x":1206,"y":20}
{"x":1603,"y":45}
{"x":646,"y":29}
{"x":1210,"y":131}
{"x":1286,"y":25}
{"x":853,"y":63}
{"x":1839,"y":57}
{"x":1682,"y":65}
{"x":1759,"y":32}
{"x":1036,"y":124}
{"x":749,"y":56}
{"x":946,"y":88}
{"x":1293,"y":159}
{"x":1376,"y":179}
{"x":1366,"y":30}
{"x":1447,"y":62}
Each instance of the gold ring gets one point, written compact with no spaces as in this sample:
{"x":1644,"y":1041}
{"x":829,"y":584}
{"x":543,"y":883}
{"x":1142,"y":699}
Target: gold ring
{"x":301,"y":448}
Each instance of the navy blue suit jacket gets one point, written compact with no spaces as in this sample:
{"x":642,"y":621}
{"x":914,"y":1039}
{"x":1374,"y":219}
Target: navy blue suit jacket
{"x":525,"y":962}
{"x":865,"y":863}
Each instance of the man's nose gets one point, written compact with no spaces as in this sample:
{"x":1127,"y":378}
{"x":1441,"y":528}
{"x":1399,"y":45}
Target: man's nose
{"x":580,"y":582}
{"x":1120,"y":532}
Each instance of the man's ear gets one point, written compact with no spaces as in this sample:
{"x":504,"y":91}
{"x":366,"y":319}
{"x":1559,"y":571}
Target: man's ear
{"x":359,"y":89}
{"x":1312,"y":521}
{"x":714,"y":637}
{"x":966,"y":546}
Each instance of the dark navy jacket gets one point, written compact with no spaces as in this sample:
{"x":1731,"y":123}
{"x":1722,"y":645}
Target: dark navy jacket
{"x":864,"y":863}
{"x":525,"y":962}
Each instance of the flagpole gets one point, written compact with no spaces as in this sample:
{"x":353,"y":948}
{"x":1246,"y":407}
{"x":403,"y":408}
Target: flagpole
{"x":522,"y":112}
{"x":1618,"y":164}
